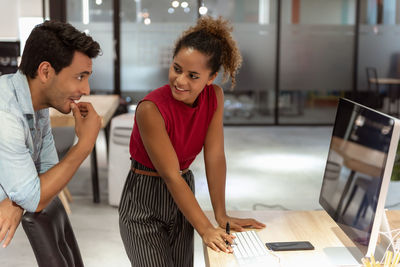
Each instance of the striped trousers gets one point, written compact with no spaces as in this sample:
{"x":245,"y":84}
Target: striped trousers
{"x":154,"y":231}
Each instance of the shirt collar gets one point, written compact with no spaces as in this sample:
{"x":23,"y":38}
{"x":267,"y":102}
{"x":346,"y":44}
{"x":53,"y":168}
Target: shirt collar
{"x":23,"y":93}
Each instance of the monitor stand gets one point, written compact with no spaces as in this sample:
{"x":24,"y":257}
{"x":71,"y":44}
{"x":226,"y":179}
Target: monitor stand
{"x":344,"y":256}
{"x":347,"y":256}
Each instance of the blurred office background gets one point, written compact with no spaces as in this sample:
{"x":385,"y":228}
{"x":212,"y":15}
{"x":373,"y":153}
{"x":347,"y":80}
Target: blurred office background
{"x":299,"y":57}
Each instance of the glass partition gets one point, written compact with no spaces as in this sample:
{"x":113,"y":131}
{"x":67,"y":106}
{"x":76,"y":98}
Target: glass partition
{"x":149,"y":29}
{"x":316,"y":62}
{"x":379,"y":49}
{"x":252,"y":101}
{"x":317,"y":43}
{"x":96,"y":19}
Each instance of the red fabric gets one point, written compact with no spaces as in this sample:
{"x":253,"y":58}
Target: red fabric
{"x":186,"y":126}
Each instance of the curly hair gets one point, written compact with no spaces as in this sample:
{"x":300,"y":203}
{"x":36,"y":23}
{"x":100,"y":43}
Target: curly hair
{"x":213,"y":37}
{"x":55,"y":42}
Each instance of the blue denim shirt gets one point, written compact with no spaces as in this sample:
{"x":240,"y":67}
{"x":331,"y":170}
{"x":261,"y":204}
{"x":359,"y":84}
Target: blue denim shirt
{"x":26,"y":143}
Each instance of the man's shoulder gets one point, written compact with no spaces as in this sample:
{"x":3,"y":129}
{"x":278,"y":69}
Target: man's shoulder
{"x":8,"y":100}
{"x":6,"y":85}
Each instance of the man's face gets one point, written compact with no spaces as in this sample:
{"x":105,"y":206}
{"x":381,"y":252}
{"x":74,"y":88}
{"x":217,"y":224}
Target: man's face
{"x":70,"y":83}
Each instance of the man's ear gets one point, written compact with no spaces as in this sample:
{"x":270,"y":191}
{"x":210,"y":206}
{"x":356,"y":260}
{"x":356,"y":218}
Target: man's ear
{"x":45,"y":71}
{"x":212,"y":78}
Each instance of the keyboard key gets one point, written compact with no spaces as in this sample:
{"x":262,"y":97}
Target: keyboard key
{"x":249,"y":250}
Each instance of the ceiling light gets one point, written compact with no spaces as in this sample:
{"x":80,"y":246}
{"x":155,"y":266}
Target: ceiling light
{"x":175,"y":4}
{"x":147,"y":21}
{"x":184,"y":4}
{"x":203,"y":10}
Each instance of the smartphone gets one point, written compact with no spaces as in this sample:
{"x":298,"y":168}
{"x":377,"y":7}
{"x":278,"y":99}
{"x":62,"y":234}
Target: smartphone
{"x":287,"y":246}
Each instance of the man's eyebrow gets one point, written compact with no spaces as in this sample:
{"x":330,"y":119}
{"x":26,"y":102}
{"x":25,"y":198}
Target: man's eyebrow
{"x":85,"y":72}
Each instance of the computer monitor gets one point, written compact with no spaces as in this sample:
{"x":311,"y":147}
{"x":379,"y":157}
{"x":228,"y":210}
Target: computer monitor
{"x":9,"y":53}
{"x":358,"y":171}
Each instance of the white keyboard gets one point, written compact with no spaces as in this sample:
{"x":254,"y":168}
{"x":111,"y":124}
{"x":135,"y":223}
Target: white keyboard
{"x":249,"y":250}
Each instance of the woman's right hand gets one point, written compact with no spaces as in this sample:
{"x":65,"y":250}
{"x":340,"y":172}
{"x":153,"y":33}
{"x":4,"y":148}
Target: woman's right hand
{"x":215,"y":239}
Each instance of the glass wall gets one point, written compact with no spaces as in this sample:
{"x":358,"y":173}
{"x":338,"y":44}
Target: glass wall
{"x":379,"y":47}
{"x":317,"y":51}
{"x":317,"y":44}
{"x":149,"y":29}
{"x":252,"y":101}
{"x":95,"y":17}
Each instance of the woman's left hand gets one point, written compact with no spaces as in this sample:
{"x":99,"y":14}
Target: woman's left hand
{"x":238,"y":224}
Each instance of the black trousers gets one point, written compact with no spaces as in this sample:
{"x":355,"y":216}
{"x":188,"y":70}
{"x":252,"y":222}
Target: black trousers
{"x":153,"y":229}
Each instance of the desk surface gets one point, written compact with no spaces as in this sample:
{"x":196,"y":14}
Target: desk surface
{"x":314,"y":226}
{"x":385,"y":80}
{"x":105,"y":106}
{"x":358,"y":157}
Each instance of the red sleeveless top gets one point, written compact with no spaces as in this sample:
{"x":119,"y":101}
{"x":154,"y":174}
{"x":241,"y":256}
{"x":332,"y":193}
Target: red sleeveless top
{"x":186,"y":126}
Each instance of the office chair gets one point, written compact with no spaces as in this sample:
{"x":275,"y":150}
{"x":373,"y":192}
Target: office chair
{"x":332,"y":170}
{"x":372,"y":74}
{"x":51,"y":236}
{"x":371,"y":98}
{"x":374,"y":86}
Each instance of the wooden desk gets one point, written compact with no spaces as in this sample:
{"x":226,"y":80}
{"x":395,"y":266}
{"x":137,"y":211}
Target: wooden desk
{"x":358,"y":157}
{"x":314,"y":226}
{"x":105,"y":106}
{"x":386,"y":81}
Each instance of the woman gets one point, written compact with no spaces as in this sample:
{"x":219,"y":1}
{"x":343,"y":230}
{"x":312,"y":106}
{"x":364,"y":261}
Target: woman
{"x":158,"y":209}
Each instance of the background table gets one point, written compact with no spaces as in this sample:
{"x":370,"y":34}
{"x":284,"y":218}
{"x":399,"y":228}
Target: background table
{"x":105,"y":106}
{"x":393,"y":94}
{"x":314,"y":226}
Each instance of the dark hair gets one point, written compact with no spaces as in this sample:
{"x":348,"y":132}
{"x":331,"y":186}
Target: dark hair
{"x":213,"y":37}
{"x":55,"y":42}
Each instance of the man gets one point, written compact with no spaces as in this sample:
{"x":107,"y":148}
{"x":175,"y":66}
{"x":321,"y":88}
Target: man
{"x":54,"y":72}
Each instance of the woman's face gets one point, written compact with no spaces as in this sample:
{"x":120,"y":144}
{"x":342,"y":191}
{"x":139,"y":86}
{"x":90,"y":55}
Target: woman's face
{"x":189,"y":74}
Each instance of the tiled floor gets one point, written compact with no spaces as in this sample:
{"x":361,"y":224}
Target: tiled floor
{"x":268,"y":167}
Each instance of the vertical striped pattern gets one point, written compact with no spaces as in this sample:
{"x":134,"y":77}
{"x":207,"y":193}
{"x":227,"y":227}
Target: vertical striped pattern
{"x":295,"y":11}
{"x":372,"y":12}
{"x":153,"y":230}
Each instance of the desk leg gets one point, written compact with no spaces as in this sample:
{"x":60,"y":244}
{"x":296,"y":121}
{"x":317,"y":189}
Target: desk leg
{"x":107,"y":135}
{"x":95,"y":177}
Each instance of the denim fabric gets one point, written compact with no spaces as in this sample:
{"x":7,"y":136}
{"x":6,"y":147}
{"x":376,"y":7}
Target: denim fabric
{"x":26,"y":143}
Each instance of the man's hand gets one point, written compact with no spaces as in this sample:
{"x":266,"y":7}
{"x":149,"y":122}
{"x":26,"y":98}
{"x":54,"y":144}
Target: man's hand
{"x":10,"y":216}
{"x":87,"y":123}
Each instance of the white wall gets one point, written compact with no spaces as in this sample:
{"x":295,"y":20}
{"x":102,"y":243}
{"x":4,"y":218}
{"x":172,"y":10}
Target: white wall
{"x":11,"y":11}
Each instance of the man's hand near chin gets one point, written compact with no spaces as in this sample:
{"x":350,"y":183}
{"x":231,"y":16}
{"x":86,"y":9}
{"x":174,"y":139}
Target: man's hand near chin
{"x":10,"y":216}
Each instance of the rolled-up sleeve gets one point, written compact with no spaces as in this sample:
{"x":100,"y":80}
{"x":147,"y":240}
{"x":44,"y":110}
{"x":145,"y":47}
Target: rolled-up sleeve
{"x":18,"y":176}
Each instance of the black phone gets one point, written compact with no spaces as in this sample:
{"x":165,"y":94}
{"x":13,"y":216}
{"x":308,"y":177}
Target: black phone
{"x":287,"y":246}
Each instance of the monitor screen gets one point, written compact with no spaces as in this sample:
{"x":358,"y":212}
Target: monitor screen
{"x":9,"y":53}
{"x":358,"y":171}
